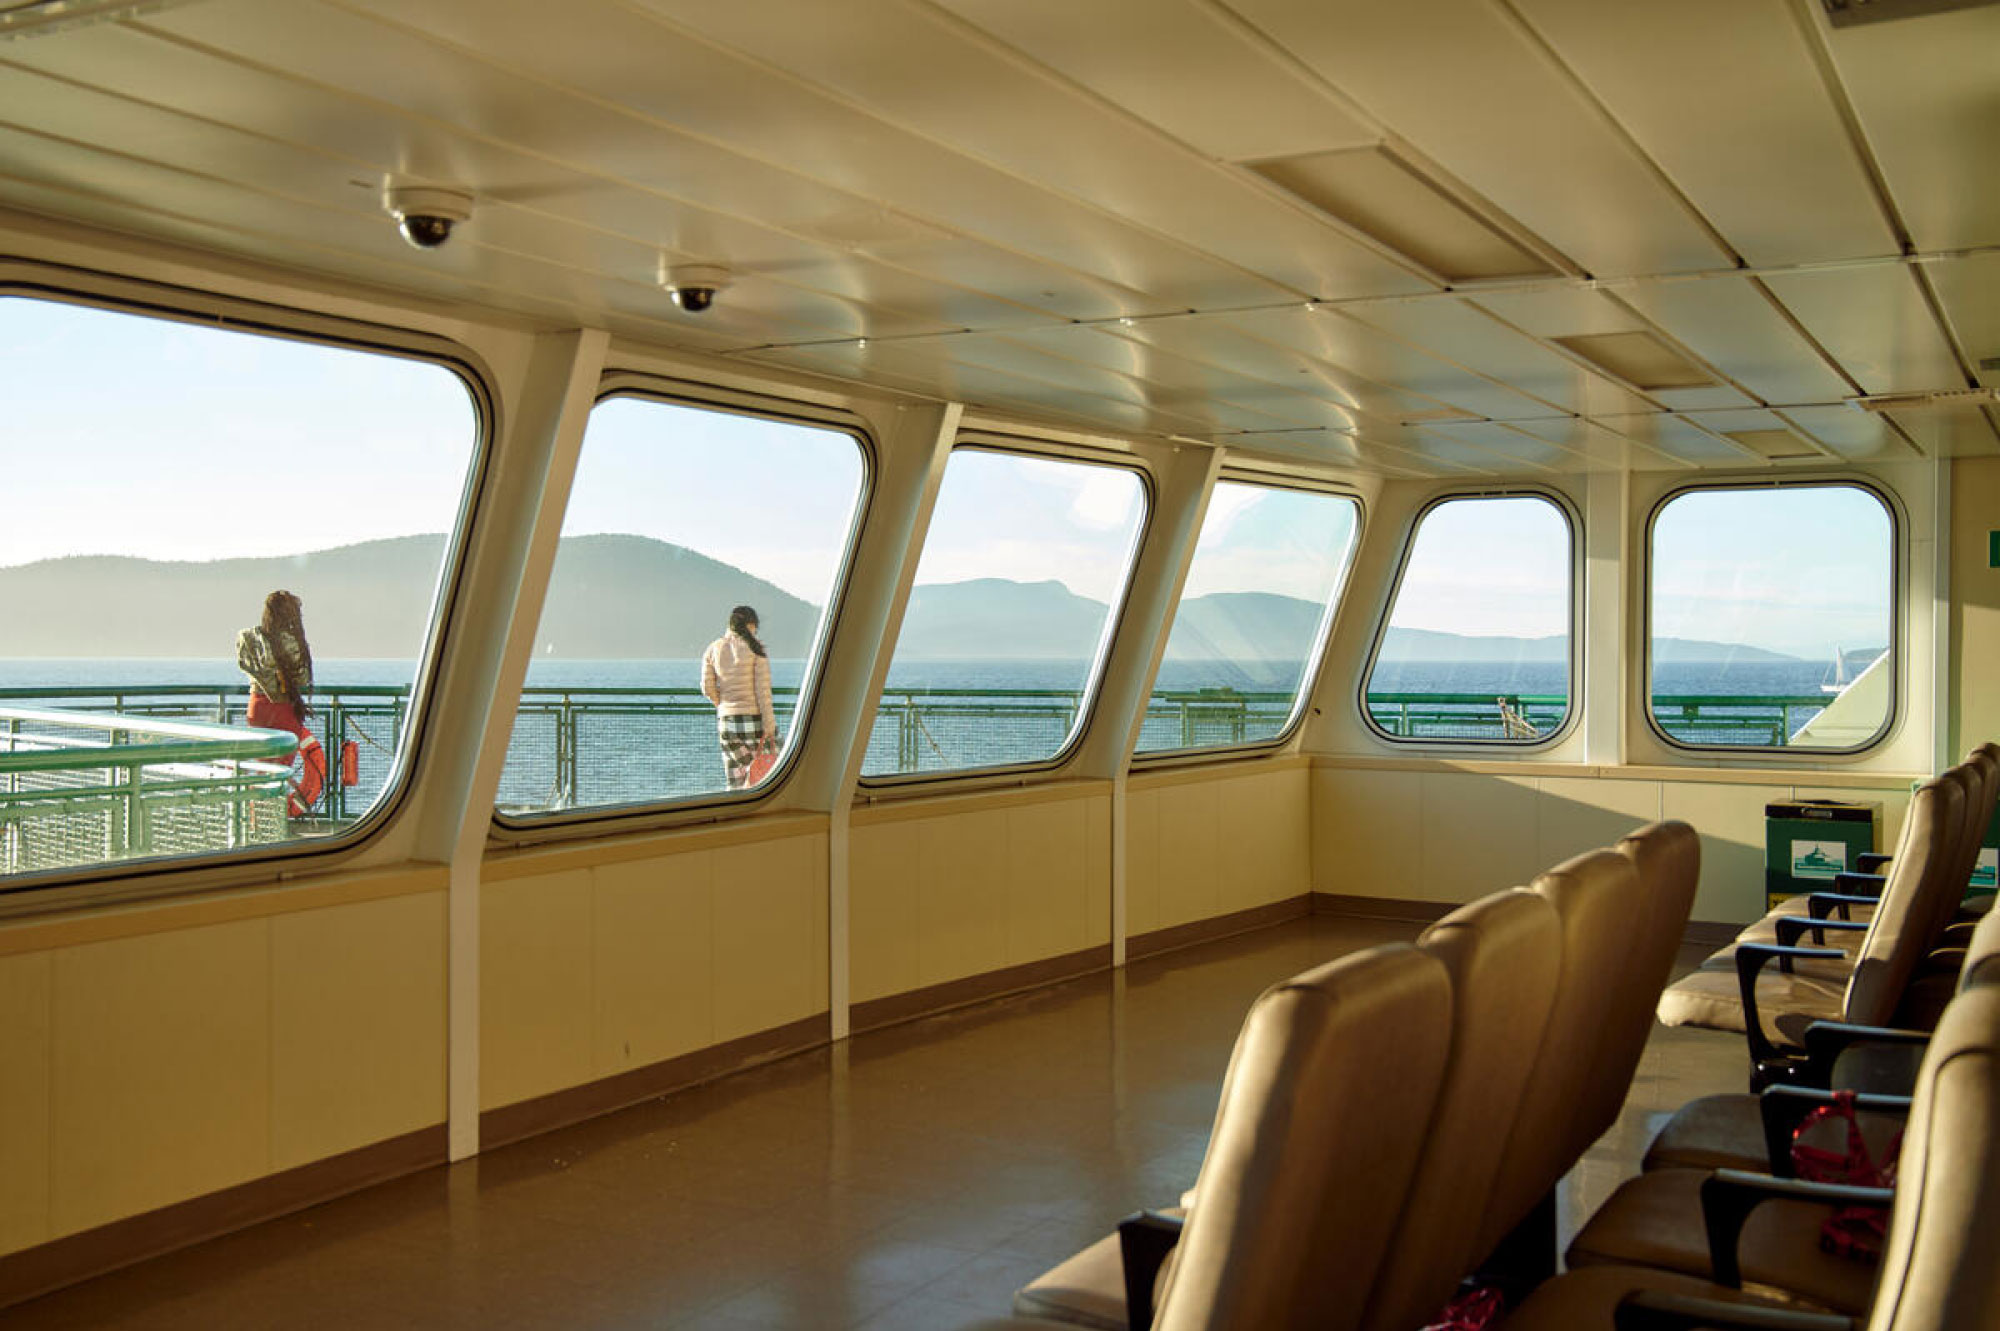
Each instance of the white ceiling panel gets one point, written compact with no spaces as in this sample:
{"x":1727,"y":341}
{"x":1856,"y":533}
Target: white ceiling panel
{"x":1478,"y":95}
{"x":1849,"y":432}
{"x":1683,"y":440}
{"x":1603,"y":447}
{"x":1951,"y":432}
{"x":954,"y":87}
{"x":1924,"y":91}
{"x":1503,"y":441}
{"x":1477,"y":341}
{"x":1571,"y":310}
{"x":1179,"y":66}
{"x":1729,"y":323}
{"x":1969,"y":290}
{"x":1876,"y":325}
{"x":1726,"y":98}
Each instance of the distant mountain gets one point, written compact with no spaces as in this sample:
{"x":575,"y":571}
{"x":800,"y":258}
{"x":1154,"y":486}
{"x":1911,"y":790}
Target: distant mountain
{"x":995,"y":617}
{"x":610,"y":596}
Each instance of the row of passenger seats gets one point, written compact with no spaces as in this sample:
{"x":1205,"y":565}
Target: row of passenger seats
{"x":1390,"y":1119}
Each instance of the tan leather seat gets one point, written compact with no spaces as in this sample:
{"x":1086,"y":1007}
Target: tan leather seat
{"x":1727,"y":1131}
{"x":1316,"y":1140}
{"x":1890,"y":951}
{"x":1936,"y":1272}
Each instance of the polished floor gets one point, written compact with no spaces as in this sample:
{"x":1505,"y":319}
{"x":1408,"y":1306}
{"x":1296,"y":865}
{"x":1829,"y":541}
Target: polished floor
{"x":908,"y":1178}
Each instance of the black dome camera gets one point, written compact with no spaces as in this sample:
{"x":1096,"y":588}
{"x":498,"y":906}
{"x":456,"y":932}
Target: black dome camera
{"x":426,"y":215}
{"x":694,"y":286}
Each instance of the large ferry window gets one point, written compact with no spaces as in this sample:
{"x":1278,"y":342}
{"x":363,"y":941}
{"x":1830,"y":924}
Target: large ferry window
{"x":1021,"y":577}
{"x":1477,"y":647}
{"x":220,"y":560}
{"x":1260,"y":592}
{"x":1771,"y":613}
{"x":699,"y":553}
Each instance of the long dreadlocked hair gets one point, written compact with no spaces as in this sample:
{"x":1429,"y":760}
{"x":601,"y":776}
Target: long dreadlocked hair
{"x":286,"y":633}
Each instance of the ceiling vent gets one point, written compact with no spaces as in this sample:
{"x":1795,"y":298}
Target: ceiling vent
{"x":1776,"y":445}
{"x":1640,"y":359}
{"x":1381,"y":195}
{"x":1853,"y":13}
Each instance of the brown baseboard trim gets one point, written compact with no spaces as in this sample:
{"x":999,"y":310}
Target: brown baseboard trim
{"x":1179,"y":936}
{"x":559,"y":1109}
{"x":1711,"y":933}
{"x":74,"y":1257}
{"x":879,"y":1012}
{"x":1381,"y":908}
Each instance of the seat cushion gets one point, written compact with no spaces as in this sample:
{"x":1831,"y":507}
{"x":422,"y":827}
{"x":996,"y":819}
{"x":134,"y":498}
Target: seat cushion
{"x":1711,"y":998}
{"x":1714,"y":1132}
{"x":1587,"y":1297}
{"x":1656,"y":1220}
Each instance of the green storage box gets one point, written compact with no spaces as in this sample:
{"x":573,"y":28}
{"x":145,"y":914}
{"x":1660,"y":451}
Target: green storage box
{"x":1988,"y":868}
{"x":1807,"y":842}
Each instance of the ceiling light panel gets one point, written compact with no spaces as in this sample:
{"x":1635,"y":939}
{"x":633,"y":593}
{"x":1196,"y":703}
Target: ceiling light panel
{"x":1483,"y":100}
{"x":1730,"y":323}
{"x":1382,"y":196}
{"x":1777,"y":445}
{"x":1178,"y":66}
{"x":1639,"y":359}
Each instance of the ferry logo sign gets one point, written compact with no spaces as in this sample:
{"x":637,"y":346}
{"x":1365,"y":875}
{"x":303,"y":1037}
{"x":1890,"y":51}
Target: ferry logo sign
{"x":1818,"y":859}
{"x":1986,"y":873}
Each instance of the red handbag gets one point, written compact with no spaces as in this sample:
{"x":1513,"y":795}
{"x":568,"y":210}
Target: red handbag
{"x":759,"y":768}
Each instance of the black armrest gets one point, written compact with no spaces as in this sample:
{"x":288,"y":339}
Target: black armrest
{"x":1751,"y":958}
{"x":1820,"y":905}
{"x":1144,"y":1240}
{"x":1872,"y":861}
{"x":1785,"y":1107}
{"x":1826,"y":1041}
{"x":1860,"y":884}
{"x":1728,"y":1196}
{"x":1791,"y":927}
{"x":1657,"y":1310}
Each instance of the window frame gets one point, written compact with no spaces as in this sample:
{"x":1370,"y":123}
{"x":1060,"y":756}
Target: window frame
{"x":1898,"y":611}
{"x":1572,"y":714}
{"x":1315,"y":662}
{"x":565,"y":824}
{"x":986,"y":441}
{"x":153,"y":876}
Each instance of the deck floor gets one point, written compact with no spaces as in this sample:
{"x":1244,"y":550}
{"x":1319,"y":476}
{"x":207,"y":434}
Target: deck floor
{"x":907,"y":1178}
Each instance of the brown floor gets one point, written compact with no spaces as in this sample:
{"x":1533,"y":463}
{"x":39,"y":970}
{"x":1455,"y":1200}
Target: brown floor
{"x":909,"y":1178}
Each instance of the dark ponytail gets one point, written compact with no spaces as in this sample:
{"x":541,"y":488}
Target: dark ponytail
{"x":740,"y":620}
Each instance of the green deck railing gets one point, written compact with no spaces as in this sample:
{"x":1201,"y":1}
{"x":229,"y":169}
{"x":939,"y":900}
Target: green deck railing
{"x":596,"y":745}
{"x":80,"y":787}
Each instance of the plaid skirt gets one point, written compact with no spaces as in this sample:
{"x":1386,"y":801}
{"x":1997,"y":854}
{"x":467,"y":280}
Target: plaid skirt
{"x":741,"y":738}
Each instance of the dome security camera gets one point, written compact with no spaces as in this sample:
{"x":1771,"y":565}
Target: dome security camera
{"x":694,"y":286}
{"x":426,"y":214}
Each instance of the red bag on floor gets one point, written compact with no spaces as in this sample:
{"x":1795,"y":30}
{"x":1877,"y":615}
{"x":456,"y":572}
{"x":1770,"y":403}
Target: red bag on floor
{"x":1474,"y":1310}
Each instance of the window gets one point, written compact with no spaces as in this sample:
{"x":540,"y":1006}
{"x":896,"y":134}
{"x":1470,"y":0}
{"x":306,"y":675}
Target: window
{"x":162,"y":480}
{"x":678,"y":515}
{"x":1260,"y":593}
{"x":1478,"y":640}
{"x":1771,"y":613}
{"x":1000,"y":647}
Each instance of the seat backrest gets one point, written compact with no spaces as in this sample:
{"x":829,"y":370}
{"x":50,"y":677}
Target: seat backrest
{"x":1317,"y":1136}
{"x":1937,"y":1271}
{"x":1898,"y":936}
{"x":1593,"y":895}
{"x":1982,"y":954}
{"x":1668,"y":858}
{"x":1504,"y":955}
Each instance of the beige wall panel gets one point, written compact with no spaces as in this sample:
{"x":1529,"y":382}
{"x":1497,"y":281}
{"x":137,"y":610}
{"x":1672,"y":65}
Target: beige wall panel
{"x":1975,"y":594}
{"x":1367,"y":833}
{"x":24,"y":1100}
{"x":1731,"y":822}
{"x":1266,"y":852}
{"x":162,"y":1071}
{"x":885,"y":954}
{"x":358,"y":1026}
{"x":1143,"y":909}
{"x":1478,"y":836}
{"x":654,"y":954}
{"x":1190,"y":866}
{"x":535,"y":987}
{"x":1097,"y":872}
{"x":1576,"y":814}
{"x":1048,"y":859}
{"x":770,"y":935}
{"x":962,"y":896}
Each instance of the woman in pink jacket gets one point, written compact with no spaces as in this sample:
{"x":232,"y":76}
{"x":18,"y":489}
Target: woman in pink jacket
{"x":736,"y":677}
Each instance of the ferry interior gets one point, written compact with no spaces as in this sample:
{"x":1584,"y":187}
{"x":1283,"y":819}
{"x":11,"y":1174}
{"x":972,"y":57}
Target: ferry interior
{"x":1369,"y":708}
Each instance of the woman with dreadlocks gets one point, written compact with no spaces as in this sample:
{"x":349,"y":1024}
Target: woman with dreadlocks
{"x":275,"y":656}
{"x":736,"y":677}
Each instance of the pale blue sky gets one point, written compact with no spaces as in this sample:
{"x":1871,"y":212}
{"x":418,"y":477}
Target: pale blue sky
{"x":165,"y":440}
